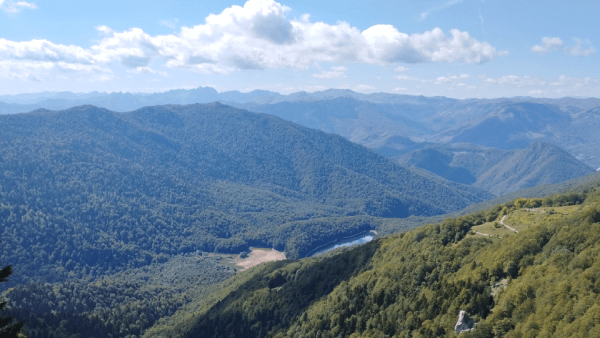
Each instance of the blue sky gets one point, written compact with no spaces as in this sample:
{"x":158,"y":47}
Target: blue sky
{"x":449,"y":48}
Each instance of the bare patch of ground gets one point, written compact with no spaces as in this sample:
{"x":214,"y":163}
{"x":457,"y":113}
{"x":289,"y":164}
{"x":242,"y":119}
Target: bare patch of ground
{"x":258,"y":256}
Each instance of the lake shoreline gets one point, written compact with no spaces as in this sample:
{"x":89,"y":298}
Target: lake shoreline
{"x":340,"y":242}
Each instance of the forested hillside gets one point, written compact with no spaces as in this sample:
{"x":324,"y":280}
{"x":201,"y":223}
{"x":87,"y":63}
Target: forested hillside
{"x":87,"y":191}
{"x":496,"y":170}
{"x":387,"y":123}
{"x":362,"y":122}
{"x":527,"y":268}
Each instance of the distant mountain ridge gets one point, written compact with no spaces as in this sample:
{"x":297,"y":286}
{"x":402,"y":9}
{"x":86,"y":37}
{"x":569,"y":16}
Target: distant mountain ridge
{"x":498,"y":171}
{"x":375,"y":120}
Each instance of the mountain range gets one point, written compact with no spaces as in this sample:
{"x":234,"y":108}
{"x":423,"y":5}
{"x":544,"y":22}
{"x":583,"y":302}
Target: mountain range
{"x":126,"y":222}
{"x":380,"y":120}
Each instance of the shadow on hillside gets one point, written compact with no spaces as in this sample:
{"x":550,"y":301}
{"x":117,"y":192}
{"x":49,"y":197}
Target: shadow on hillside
{"x":270,"y":302}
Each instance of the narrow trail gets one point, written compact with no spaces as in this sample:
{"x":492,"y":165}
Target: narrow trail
{"x":508,"y":227}
{"x":482,"y":234}
{"x":535,"y":210}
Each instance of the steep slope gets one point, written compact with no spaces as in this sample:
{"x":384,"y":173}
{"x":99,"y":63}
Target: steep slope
{"x":541,"y":281}
{"x":540,"y":163}
{"x":515,"y":125}
{"x":89,"y":191}
{"x":495,"y":170}
{"x":361,"y":122}
{"x":581,"y":137}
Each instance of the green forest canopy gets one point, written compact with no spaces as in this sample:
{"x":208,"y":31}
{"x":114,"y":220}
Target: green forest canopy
{"x":89,"y":192}
{"x":541,"y":281}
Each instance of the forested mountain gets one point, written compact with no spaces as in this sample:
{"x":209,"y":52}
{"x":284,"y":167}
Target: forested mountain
{"x":87,"y":191}
{"x":498,"y":171}
{"x":119,"y":211}
{"x":361,"y":122}
{"x":515,"y":125}
{"x":381,"y":121}
{"x":528,"y":267}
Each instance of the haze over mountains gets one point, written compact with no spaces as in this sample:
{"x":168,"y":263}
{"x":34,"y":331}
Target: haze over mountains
{"x":381,"y":121}
{"x":498,"y":171}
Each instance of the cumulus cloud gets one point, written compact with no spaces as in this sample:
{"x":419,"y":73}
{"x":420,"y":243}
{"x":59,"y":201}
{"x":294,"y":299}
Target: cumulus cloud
{"x":335,"y":72}
{"x":259,"y":35}
{"x":404,"y":77}
{"x":29,"y":70}
{"x":104,"y":29}
{"x":363,"y":88}
{"x":556,"y":44}
{"x":45,"y":51}
{"x":15,"y":6}
{"x":516,"y":80}
{"x":538,"y":86}
{"x":147,"y":70}
{"x":400,"y":69}
{"x":578,"y":51}
{"x":549,"y":44}
{"x":452,"y":79}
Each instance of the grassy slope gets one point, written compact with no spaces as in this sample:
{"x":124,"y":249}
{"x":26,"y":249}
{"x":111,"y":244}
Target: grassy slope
{"x":415,"y":284}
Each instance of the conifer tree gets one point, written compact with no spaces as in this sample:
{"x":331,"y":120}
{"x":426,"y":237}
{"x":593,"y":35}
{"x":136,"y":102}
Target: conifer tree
{"x":8,"y":330}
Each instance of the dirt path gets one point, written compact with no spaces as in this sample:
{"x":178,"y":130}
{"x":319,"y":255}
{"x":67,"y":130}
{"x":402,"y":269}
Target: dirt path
{"x":536,"y":210}
{"x":508,"y":227}
{"x":258,"y":256}
{"x":482,"y":234}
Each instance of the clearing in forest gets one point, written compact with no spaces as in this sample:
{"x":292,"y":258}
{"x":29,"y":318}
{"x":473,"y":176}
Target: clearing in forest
{"x":520,"y":220}
{"x":257,"y":256}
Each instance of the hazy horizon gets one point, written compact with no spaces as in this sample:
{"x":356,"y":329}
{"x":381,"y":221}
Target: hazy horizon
{"x":291,"y":93}
{"x":452,"y":48}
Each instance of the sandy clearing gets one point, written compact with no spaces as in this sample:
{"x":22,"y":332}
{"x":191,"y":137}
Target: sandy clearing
{"x":258,"y":256}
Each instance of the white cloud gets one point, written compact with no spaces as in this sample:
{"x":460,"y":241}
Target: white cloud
{"x":104,"y":30}
{"x":448,"y":4}
{"x":363,"y":88}
{"x":481,"y":20}
{"x":335,"y":72}
{"x":169,"y":23}
{"x":515,"y":80}
{"x":147,"y":70}
{"x":556,"y":44}
{"x":536,"y":92}
{"x":452,"y":79}
{"x":400,"y":69}
{"x":404,"y":77}
{"x":537,"y":86}
{"x":548,"y":45}
{"x":578,"y":51}
{"x":24,"y":69}
{"x":399,"y":89}
{"x":257,"y":36}
{"x":15,"y":6}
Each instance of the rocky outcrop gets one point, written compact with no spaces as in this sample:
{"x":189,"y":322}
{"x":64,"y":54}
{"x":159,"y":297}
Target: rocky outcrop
{"x":464,"y":323}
